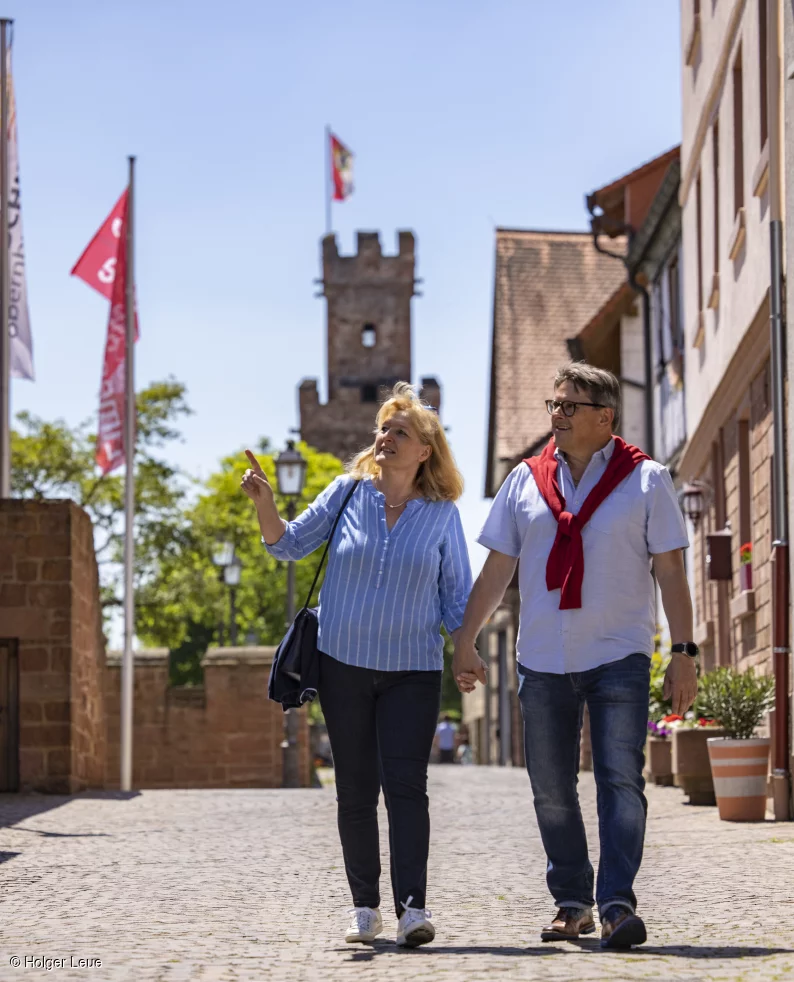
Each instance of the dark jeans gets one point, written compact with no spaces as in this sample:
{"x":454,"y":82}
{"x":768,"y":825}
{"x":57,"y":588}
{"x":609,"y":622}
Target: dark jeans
{"x":553,"y":705}
{"x":381,"y":727}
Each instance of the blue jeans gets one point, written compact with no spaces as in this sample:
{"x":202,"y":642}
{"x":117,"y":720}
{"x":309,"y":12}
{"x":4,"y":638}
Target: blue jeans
{"x":617,"y":697}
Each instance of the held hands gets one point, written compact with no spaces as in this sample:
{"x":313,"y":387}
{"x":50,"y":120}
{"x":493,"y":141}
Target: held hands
{"x":681,"y":683}
{"x":467,"y":666}
{"x":254,"y":482}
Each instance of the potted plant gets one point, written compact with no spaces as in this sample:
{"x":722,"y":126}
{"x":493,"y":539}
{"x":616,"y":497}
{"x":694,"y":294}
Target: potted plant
{"x":739,"y":759}
{"x":690,"y":758}
{"x":746,"y":567}
{"x":658,"y":752}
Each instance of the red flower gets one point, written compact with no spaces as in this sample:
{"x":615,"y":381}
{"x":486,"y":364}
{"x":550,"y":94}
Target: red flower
{"x":673,"y":718}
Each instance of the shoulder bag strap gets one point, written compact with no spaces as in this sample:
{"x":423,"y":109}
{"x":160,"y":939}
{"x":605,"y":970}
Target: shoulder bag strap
{"x":350,"y":494}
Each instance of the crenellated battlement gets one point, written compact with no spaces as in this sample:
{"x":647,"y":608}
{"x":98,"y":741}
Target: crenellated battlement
{"x":369,"y":265}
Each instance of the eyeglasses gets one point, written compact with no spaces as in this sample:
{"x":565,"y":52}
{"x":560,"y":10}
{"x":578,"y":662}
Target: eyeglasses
{"x":568,"y":408}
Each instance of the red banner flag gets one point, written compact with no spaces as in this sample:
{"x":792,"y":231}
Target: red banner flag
{"x":341,"y":169}
{"x":103,"y":266}
{"x":97,"y":265}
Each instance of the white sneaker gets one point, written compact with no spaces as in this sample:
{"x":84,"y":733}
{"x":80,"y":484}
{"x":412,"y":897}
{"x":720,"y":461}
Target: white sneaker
{"x":365,"y":924}
{"x":414,"y":927}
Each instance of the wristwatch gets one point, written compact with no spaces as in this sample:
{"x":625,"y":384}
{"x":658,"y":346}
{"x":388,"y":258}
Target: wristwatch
{"x":686,"y":648}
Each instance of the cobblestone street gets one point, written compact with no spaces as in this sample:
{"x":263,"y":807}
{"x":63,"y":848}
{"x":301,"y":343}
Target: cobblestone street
{"x":233,"y":885}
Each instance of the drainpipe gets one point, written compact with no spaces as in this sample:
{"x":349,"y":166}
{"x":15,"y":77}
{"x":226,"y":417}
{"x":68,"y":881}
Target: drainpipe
{"x":781,"y":778}
{"x":646,"y":323}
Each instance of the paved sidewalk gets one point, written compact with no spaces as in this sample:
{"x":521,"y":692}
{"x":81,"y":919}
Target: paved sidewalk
{"x":249,"y":885}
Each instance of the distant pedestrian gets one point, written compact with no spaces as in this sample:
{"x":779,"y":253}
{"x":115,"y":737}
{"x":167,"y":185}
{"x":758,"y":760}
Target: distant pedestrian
{"x":398,"y":568}
{"x":464,"y":753}
{"x":445,"y":734}
{"x":588,"y":518}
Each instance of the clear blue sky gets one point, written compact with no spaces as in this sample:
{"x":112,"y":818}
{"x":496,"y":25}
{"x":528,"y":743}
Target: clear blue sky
{"x":462,"y":116}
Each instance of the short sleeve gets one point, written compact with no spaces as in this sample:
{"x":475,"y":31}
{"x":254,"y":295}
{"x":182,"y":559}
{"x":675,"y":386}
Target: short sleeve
{"x":666,"y":529}
{"x":500,"y":531}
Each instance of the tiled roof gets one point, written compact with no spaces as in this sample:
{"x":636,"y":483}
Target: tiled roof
{"x":548,"y":286}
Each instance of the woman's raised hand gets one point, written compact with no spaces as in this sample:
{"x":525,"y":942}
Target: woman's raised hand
{"x":254,"y":482}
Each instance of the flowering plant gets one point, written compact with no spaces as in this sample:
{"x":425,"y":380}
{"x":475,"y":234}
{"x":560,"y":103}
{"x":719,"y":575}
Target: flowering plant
{"x":746,"y":553}
{"x":664,"y":727}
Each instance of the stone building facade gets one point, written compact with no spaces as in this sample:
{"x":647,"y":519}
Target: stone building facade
{"x":50,"y":630}
{"x":368,"y":343}
{"x":60,"y":695}
{"x":724,"y":196}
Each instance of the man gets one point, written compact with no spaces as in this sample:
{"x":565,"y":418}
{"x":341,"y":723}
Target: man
{"x":445,"y":732}
{"x":588,"y":519}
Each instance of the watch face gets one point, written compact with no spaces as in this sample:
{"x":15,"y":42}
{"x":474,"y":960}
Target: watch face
{"x":691,"y":648}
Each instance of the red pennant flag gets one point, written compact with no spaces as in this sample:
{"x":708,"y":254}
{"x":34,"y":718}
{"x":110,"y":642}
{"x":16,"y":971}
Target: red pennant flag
{"x":103,"y":266}
{"x":341,"y":169}
{"x":97,"y":265}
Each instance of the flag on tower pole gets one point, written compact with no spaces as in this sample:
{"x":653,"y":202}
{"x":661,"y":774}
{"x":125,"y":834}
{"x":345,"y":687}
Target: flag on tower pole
{"x":107,"y":266}
{"x":339,"y":173}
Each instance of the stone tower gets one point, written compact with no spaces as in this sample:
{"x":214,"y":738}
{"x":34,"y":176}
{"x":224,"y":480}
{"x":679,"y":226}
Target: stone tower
{"x":368,"y":337}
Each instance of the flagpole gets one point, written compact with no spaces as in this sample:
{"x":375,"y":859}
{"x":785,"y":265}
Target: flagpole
{"x":327,"y":180}
{"x":127,"y":665}
{"x":5,"y":341}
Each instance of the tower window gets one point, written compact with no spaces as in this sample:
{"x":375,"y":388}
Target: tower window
{"x":369,"y":393}
{"x":369,"y":335}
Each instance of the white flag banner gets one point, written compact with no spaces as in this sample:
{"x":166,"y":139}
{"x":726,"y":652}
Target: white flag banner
{"x":18,"y":316}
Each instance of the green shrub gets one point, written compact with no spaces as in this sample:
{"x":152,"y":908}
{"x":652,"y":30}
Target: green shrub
{"x":738,"y":700}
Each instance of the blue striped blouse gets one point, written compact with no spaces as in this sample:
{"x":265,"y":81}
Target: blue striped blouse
{"x":386,"y":593}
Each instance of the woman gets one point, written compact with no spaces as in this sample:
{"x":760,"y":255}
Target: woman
{"x":398,"y":567}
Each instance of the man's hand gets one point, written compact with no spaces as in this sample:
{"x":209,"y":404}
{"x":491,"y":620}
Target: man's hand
{"x":254,"y":482}
{"x":467,"y":666}
{"x":680,"y":682}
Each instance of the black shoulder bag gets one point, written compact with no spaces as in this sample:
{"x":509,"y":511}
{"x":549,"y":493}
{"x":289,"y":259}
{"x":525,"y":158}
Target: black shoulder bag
{"x":300,"y":641}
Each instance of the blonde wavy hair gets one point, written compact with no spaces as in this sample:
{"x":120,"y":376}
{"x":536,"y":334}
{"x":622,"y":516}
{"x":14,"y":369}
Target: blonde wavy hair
{"x":438,"y":478}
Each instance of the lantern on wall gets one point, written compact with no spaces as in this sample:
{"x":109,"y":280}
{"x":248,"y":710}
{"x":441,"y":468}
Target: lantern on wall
{"x":693,"y":501}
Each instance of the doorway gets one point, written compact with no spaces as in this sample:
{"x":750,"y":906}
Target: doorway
{"x":9,"y":714}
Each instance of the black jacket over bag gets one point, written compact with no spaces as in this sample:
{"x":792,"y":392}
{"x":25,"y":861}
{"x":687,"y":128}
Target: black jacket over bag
{"x":295,"y":674}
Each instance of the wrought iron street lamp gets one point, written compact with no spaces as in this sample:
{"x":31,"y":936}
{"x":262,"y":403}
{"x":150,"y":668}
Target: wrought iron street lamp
{"x":229,"y":570}
{"x":231,"y":577}
{"x":290,"y":480}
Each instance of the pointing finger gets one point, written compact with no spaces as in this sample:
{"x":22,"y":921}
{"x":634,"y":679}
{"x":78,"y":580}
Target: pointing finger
{"x":255,"y":465}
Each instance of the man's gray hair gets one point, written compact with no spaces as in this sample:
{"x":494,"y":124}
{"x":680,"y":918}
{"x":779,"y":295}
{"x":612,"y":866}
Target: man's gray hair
{"x":600,"y":386}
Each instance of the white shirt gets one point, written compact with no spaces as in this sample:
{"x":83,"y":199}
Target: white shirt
{"x":618,"y":614}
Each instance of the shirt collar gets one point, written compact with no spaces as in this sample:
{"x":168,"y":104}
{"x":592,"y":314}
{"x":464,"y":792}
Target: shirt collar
{"x":605,"y":453}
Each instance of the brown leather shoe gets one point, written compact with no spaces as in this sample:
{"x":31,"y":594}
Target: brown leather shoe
{"x":620,"y":928}
{"x":569,"y":923}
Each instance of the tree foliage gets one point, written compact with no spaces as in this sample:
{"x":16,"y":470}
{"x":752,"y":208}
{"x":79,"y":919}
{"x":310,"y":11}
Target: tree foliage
{"x":53,"y":460}
{"x":186,"y":602}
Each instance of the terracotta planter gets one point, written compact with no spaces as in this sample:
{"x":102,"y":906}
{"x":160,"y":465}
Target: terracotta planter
{"x":659,"y":761}
{"x":740,"y":769}
{"x":691,"y":766}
